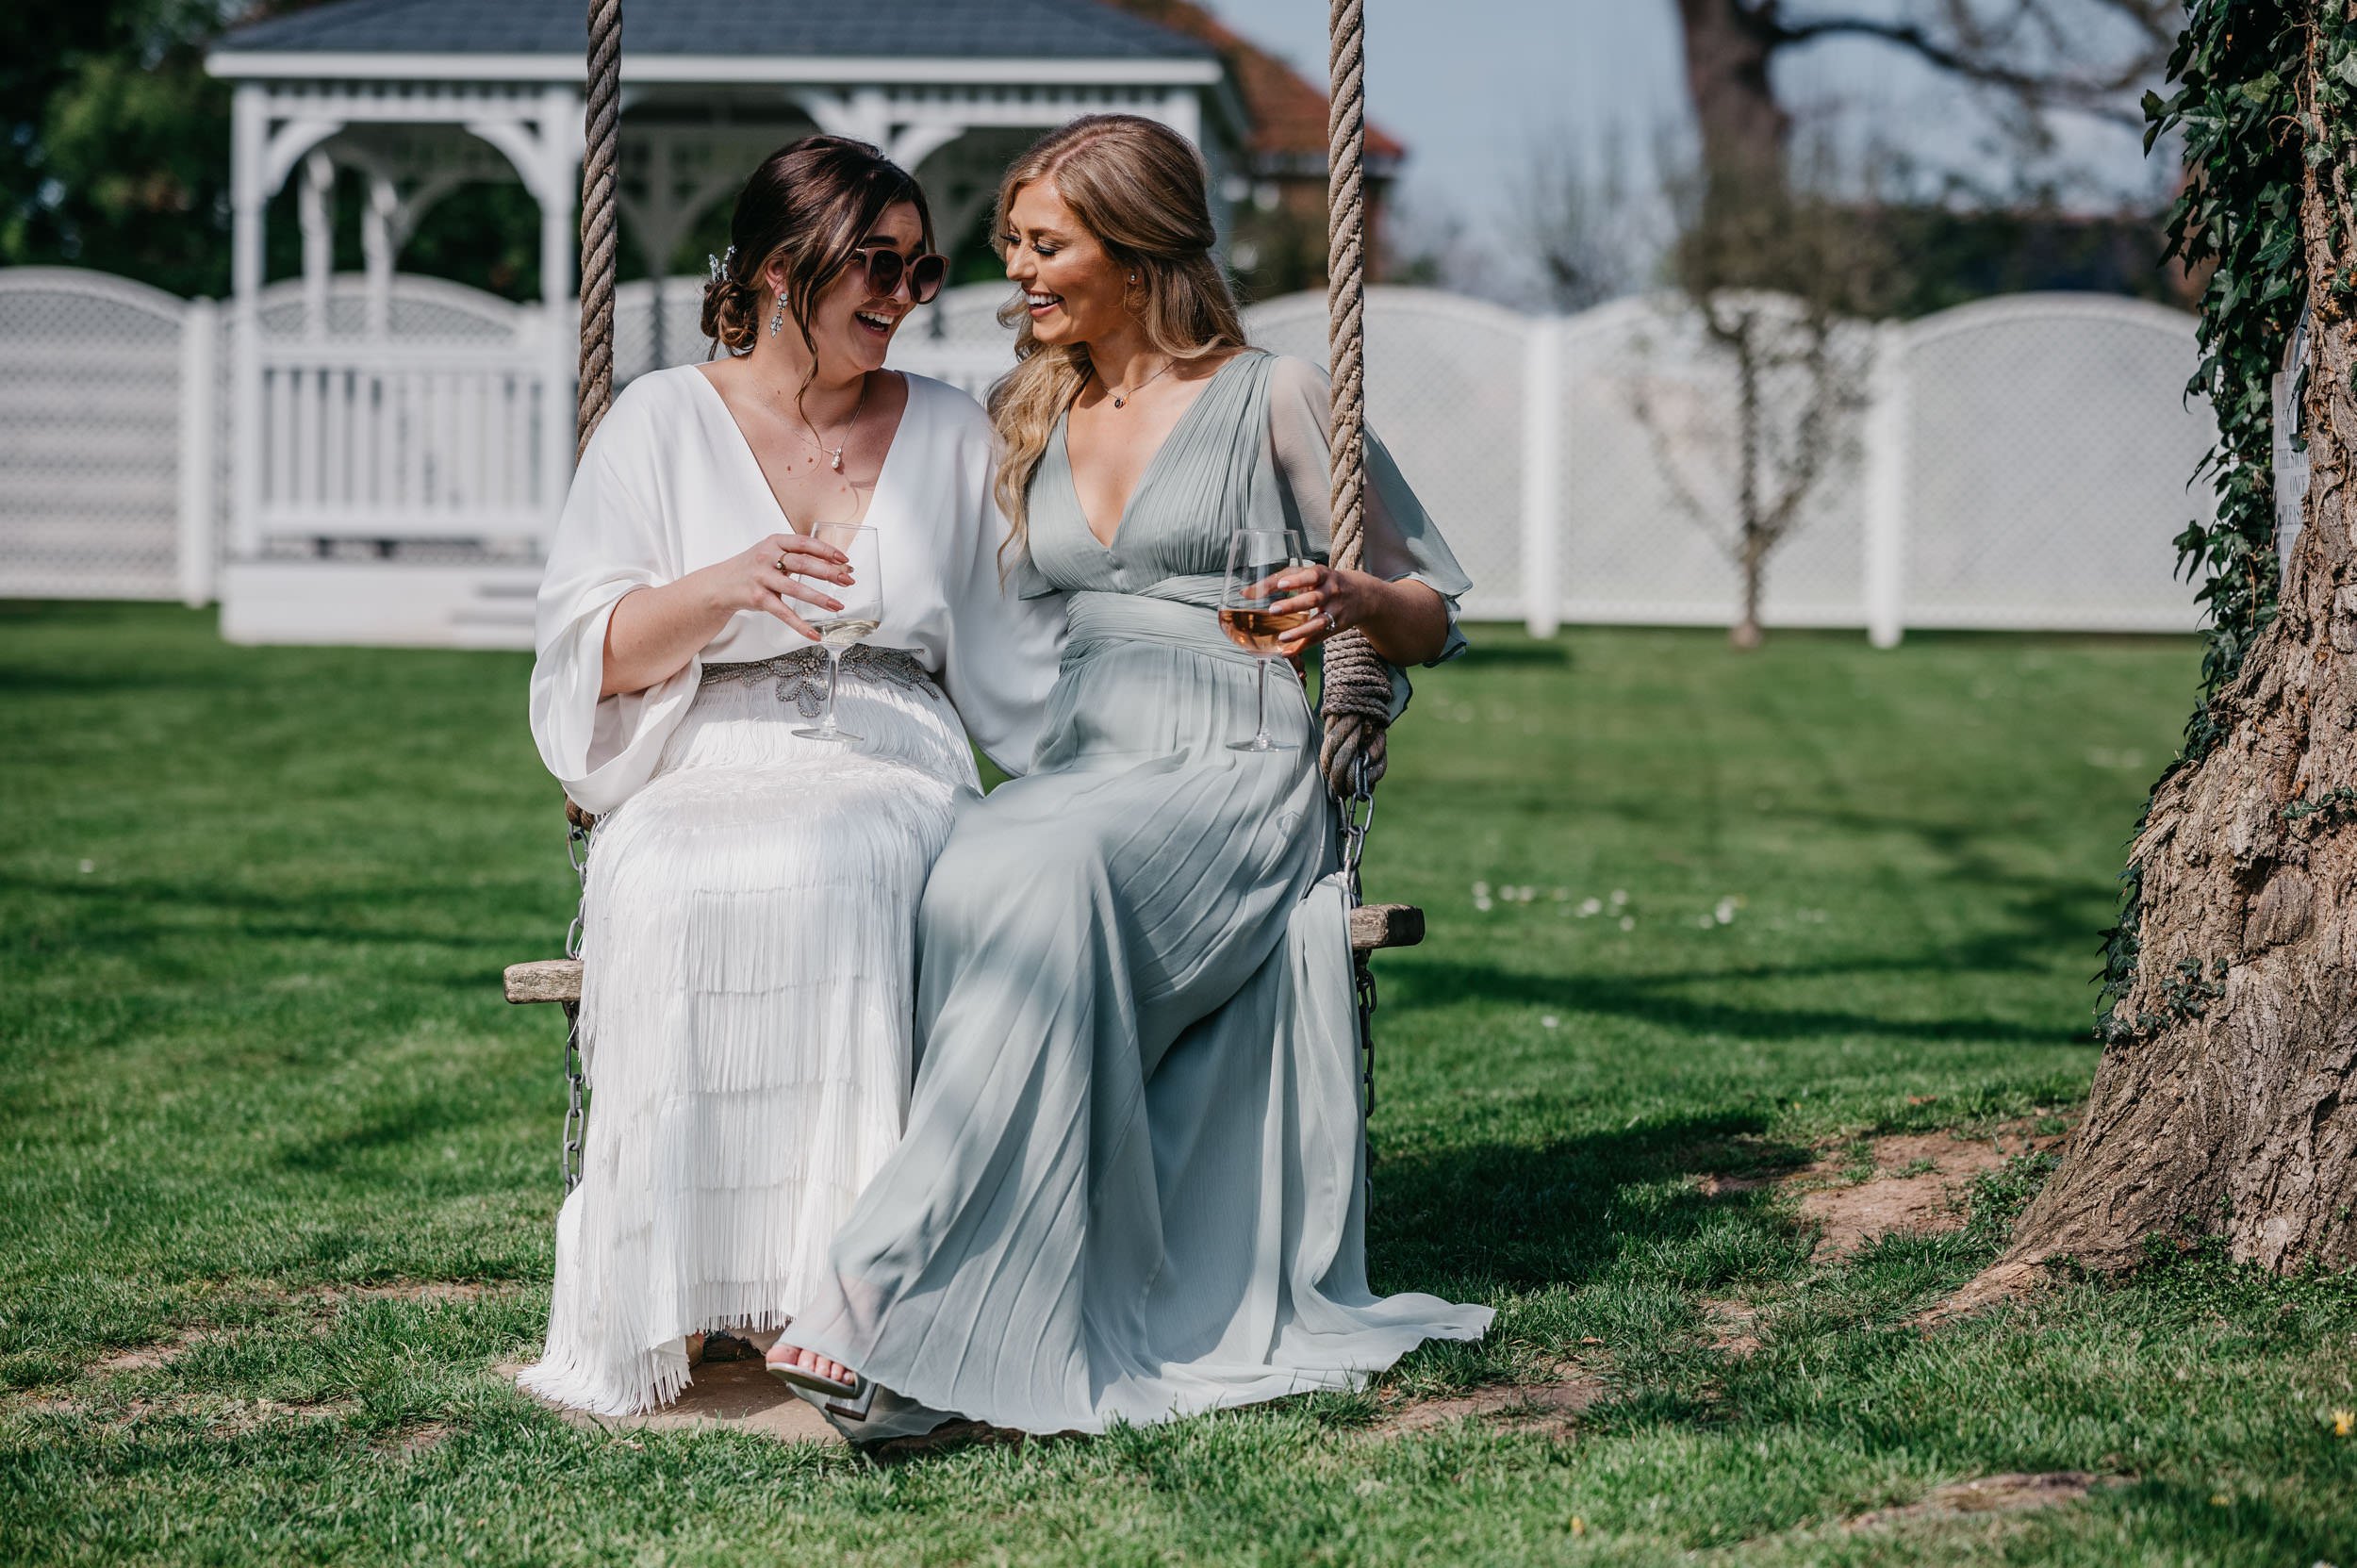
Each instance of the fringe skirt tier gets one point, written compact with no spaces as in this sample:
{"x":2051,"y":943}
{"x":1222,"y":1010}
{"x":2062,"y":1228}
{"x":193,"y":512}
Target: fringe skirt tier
{"x":749,"y":954}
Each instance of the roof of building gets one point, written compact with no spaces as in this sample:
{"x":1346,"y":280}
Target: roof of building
{"x":1287,"y":110}
{"x":867,"y":30}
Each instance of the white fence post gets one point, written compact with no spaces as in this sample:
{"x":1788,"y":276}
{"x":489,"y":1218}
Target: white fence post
{"x":1542,"y":476}
{"x":1885,"y":488}
{"x":200,"y":425}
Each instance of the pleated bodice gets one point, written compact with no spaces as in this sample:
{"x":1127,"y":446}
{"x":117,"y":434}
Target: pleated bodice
{"x":1210,"y":477}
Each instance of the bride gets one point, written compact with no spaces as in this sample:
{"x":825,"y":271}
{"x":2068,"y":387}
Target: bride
{"x":752,"y":894}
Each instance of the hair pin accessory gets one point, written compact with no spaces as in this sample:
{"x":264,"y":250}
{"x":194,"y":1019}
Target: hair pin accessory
{"x":717,"y":266}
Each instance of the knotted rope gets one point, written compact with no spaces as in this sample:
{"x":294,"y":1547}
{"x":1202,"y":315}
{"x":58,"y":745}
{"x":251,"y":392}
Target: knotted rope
{"x":1355,"y":692}
{"x":602,"y":131}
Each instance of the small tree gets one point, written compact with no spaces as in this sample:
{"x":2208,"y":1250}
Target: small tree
{"x":1779,"y":282}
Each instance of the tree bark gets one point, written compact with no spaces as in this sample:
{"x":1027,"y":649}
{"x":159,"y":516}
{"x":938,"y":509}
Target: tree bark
{"x":2228,"y":1105}
{"x":1728,"y":44}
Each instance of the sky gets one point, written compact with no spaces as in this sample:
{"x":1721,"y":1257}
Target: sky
{"x":1475,"y":86}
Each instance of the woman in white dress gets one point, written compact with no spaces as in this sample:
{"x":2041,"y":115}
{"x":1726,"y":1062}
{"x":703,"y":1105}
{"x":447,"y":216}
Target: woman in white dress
{"x":752,"y":895}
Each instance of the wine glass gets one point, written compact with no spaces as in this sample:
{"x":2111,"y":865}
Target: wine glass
{"x":1255,"y":558}
{"x":861,"y":612}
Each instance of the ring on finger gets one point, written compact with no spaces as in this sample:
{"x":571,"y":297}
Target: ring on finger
{"x":1332,"y":625}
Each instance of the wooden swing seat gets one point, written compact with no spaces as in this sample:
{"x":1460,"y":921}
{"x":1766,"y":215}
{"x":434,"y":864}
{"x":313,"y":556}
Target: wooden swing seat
{"x":1372,"y":927}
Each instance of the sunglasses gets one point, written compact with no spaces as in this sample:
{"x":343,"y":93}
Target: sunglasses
{"x":926,"y":274}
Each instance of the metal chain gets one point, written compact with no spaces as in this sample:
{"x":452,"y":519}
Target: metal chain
{"x":1364,"y":979}
{"x":576,"y":1080}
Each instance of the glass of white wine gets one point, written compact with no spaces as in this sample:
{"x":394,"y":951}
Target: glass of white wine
{"x":1255,"y":558}
{"x":861,"y":612}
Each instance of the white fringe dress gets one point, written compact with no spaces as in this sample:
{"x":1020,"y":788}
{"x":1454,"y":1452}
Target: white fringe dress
{"x":753,"y":896}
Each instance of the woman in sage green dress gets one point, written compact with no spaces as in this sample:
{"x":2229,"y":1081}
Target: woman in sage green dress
{"x":1131,"y":1185}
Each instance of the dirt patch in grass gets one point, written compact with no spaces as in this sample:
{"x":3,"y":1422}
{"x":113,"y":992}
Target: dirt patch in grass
{"x":1555,"y":1403}
{"x":1911,"y":1182}
{"x":221,"y":1417}
{"x":732,"y":1396}
{"x":147,"y":1357}
{"x":413,"y":1289}
{"x":2016,"y":1492}
{"x":1729,"y":1323}
{"x":413,"y":1441}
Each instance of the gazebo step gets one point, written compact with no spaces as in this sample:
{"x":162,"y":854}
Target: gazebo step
{"x":1372,"y":926}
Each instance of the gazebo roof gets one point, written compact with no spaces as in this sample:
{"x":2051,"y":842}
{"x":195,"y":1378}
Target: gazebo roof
{"x":528,"y":38}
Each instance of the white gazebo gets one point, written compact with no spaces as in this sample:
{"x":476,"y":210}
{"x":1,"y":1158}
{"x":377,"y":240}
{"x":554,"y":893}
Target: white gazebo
{"x":397,"y":452}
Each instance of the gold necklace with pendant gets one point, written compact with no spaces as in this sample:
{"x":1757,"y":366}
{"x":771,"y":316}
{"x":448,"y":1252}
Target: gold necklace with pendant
{"x":1121,"y":400}
{"x":834,"y":453}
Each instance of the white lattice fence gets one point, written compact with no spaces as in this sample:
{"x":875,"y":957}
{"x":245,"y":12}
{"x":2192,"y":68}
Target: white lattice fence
{"x":1444,"y":391}
{"x":2016,"y":463}
{"x":2050,"y":451}
{"x":92,"y":409}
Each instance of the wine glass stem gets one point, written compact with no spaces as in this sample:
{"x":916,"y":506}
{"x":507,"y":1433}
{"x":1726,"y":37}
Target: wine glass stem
{"x":834,"y":667}
{"x":1259,"y":715}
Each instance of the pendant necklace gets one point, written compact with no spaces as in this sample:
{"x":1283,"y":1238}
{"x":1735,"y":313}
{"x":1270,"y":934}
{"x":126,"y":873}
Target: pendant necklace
{"x":834,"y":453}
{"x":1121,"y":400}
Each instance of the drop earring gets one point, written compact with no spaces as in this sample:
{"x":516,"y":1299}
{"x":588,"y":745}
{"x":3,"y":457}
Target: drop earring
{"x":777,"y":319}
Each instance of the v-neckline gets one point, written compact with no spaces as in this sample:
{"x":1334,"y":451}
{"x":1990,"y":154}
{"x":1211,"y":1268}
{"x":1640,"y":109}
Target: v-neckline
{"x":1146,"y":475}
{"x":761,"y":476}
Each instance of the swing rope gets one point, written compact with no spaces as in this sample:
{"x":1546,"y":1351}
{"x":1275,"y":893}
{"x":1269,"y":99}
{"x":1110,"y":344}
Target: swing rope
{"x":601,"y":157}
{"x":1354,"y":692}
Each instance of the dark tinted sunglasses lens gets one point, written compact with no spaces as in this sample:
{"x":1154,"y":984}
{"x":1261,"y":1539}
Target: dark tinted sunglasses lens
{"x":925,"y":277}
{"x":884,"y":271}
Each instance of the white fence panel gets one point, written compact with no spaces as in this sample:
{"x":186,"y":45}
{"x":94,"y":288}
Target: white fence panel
{"x":2050,"y":451}
{"x":1444,"y":391}
{"x":91,"y":402}
{"x":2017,"y":463}
{"x":1651,"y":445}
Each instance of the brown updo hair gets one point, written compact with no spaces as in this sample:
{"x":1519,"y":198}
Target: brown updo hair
{"x":810,"y":203}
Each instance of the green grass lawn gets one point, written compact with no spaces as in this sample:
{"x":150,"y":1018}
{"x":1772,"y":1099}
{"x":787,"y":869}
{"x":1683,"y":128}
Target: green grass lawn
{"x":253,"y":1059}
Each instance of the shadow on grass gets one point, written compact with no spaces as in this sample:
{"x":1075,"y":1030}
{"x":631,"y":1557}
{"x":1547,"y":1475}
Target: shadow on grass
{"x":1653,"y":999}
{"x":1546,"y":656}
{"x":1565,"y":1213}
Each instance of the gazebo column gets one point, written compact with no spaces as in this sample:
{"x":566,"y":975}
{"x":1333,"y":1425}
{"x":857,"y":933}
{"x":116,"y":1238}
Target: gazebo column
{"x":1182,"y":111}
{"x":560,"y":141}
{"x":864,"y":115}
{"x":379,"y":244}
{"x":249,"y":130}
{"x":546,"y":153}
{"x":317,"y":221}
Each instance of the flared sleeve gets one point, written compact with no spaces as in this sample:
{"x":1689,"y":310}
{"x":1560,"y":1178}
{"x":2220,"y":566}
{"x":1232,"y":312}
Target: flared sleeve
{"x":615,"y":534}
{"x":1400,"y":540}
{"x":1006,"y":619}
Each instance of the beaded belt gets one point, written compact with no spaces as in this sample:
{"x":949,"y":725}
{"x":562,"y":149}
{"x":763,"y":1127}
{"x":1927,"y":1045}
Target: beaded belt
{"x":801,"y":675}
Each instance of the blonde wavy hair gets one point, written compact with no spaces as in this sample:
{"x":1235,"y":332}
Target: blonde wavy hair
{"x":1144,"y":192}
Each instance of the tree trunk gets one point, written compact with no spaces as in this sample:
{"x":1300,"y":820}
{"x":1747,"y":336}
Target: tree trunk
{"x":2227,"y":1106}
{"x":1746,"y":634}
{"x":1744,"y":130}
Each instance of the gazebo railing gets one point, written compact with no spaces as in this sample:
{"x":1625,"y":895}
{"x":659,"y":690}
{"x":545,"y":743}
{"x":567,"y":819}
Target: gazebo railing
{"x":397,"y":440}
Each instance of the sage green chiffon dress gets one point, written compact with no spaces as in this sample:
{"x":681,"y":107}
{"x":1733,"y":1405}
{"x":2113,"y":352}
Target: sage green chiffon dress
{"x":1133,"y":1182}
